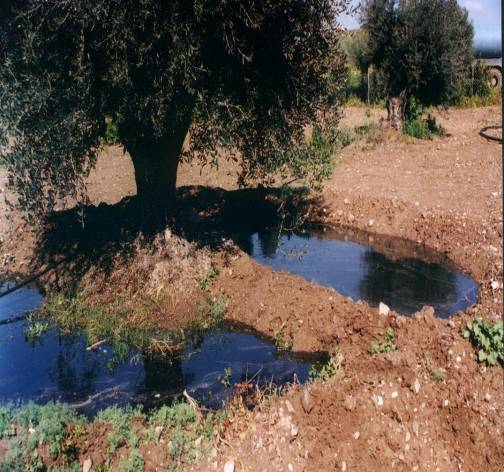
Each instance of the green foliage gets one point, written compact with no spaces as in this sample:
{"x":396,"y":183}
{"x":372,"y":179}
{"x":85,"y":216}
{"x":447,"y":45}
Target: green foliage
{"x":282,"y":341}
{"x":135,"y":462}
{"x":422,"y":47}
{"x":111,"y":135}
{"x":123,"y":431}
{"x":489,"y":340}
{"x":246,"y":79}
{"x":71,"y":312}
{"x":330,"y":370}
{"x":35,"y":330}
{"x":384,"y":346}
{"x":225,"y":379}
{"x":476,"y":90}
{"x":418,"y":127}
{"x":205,"y":280}
{"x":54,"y":426}
{"x":36,"y":425}
{"x":215,"y":310}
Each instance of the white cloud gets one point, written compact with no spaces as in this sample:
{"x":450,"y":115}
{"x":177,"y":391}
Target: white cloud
{"x":473,"y":6}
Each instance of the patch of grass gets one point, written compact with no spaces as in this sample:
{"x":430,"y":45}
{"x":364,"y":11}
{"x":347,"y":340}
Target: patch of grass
{"x":135,"y":462}
{"x":384,"y":346}
{"x":118,"y":325}
{"x":205,"y":280}
{"x":213,"y":311}
{"x":36,"y":425}
{"x":330,"y":370}
{"x":420,"y":128}
{"x":488,"y":339}
{"x":282,"y":341}
{"x":35,"y":330}
{"x":123,"y":432}
{"x":57,"y":429}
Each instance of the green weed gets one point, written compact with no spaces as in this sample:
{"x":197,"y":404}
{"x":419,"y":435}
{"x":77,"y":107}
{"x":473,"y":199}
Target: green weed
{"x":135,"y":462}
{"x":330,"y":370}
{"x":123,"y":432}
{"x":384,"y":346}
{"x":35,"y":330}
{"x":205,"y":280}
{"x":489,"y":340}
{"x":282,"y":342}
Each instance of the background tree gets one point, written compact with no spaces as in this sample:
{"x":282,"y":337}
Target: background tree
{"x":243,"y":76}
{"x":423,"y":48}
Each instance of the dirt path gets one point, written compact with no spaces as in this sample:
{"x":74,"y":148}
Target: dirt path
{"x":392,"y":410}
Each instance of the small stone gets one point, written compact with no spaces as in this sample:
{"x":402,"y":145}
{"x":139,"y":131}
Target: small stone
{"x":229,"y":466}
{"x":294,"y":430}
{"x":383,"y":309}
{"x":495,"y":285}
{"x":415,"y":427}
{"x":350,"y":403}
{"x":446,"y":402}
{"x":371,"y":222}
{"x":213,"y":452}
{"x":306,"y":401}
{"x":451,"y":324}
{"x":377,"y":399}
{"x":346,"y":201}
{"x":356,"y":435}
{"x":343,"y":466}
{"x":350,"y":217}
{"x":408,"y":436}
{"x":291,"y":469}
{"x":488,"y":397}
{"x":416,"y":386}
{"x":458,"y":359}
{"x":289,"y":406}
{"x":394,"y":395}
{"x":86,"y":466}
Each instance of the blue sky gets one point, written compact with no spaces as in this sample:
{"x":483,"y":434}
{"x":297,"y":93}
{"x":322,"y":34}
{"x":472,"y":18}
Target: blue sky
{"x":483,"y":14}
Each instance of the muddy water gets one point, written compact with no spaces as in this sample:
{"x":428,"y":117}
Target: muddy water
{"x":60,"y":368}
{"x":394,"y":275}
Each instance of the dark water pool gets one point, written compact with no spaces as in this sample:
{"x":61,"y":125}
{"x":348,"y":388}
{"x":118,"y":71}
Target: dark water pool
{"x":396,"y":277}
{"x":61,"y":368}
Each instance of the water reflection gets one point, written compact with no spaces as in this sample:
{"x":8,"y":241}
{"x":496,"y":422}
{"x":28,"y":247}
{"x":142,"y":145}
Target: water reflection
{"x":61,"y":368}
{"x":406,"y":284}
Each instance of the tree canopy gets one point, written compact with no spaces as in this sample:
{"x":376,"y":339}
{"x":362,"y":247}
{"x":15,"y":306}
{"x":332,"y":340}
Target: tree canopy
{"x":182,"y":79}
{"x":422,"y":48}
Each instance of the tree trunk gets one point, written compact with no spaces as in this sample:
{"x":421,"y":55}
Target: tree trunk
{"x":395,"y":110}
{"x":155,"y":162}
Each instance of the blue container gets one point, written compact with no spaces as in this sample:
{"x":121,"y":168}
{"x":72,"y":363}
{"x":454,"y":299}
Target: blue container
{"x":487,"y":42}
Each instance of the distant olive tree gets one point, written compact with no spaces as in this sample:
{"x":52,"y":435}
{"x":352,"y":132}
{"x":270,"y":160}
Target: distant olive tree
{"x":181,"y":79}
{"x":423,"y":48}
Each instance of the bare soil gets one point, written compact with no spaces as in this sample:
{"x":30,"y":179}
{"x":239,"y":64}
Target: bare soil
{"x":387,"y":411}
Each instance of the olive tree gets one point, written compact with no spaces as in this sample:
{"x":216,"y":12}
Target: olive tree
{"x":181,"y":79}
{"x":423,"y":48}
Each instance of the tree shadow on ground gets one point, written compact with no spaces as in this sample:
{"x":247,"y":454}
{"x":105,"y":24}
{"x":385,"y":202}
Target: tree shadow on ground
{"x":98,"y":237}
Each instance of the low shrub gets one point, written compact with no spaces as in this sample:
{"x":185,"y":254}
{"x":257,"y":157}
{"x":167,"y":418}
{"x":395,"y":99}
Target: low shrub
{"x":329,"y":370}
{"x":384,"y":346}
{"x":488,"y":339}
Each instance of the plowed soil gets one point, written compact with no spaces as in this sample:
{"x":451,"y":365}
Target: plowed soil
{"x":389,"y":411}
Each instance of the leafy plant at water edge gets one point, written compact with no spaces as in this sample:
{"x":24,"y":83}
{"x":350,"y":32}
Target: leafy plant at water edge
{"x":330,"y":370}
{"x":282,"y":341}
{"x":35,"y":330}
{"x":489,"y":340}
{"x":384,"y":346}
{"x":123,"y":431}
{"x":215,"y":311}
